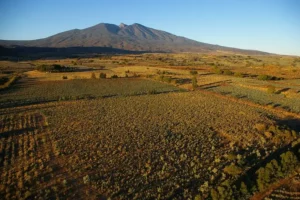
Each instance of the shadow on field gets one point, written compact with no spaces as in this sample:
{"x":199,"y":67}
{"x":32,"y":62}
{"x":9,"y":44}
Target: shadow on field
{"x":24,"y":109}
{"x":290,"y":122}
{"x":19,"y":53}
{"x":282,"y":90}
{"x":206,"y":74}
{"x":210,"y":87}
{"x":183,"y":80}
{"x":215,"y":84}
{"x":15,"y":132}
{"x":20,"y":84}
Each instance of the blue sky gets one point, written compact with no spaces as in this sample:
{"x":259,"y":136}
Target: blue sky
{"x":267,"y":25}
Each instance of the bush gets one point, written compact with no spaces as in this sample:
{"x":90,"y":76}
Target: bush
{"x":64,"y":77}
{"x":271,"y":89}
{"x":163,"y":78}
{"x":102,"y":75}
{"x":86,"y":179}
{"x":232,"y":170}
{"x":218,"y":70}
{"x":149,"y":76}
{"x":193,"y":72}
{"x":114,"y":76}
{"x":135,"y":75}
{"x":93,"y":76}
{"x":167,"y":79}
{"x":194,"y":82}
{"x":238,"y":74}
{"x":264,"y":77}
{"x":227,"y":72}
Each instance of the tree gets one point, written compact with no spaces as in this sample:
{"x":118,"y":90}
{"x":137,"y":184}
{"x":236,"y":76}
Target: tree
{"x":277,"y":168}
{"x":102,"y":75}
{"x":194,"y":82}
{"x":243,"y":188}
{"x":261,"y":184}
{"x":288,"y":162}
{"x":263,"y":178}
{"x":193,"y":72}
{"x":227,"y":72}
{"x":93,"y":76}
{"x":232,"y":169}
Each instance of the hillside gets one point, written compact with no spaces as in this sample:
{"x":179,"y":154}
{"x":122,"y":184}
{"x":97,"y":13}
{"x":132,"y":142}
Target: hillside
{"x":135,"y":37}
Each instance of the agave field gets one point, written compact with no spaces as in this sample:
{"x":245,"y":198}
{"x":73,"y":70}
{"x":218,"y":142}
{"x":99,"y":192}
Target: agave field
{"x":168,"y":146}
{"x":260,"y":97}
{"x":32,"y":92}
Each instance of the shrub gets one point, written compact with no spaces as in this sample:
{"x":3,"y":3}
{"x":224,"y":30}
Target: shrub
{"x":102,"y":75}
{"x":163,"y":78}
{"x":114,"y":76}
{"x":271,"y":89}
{"x":64,"y":77}
{"x":149,"y":76}
{"x":238,"y":74}
{"x":86,"y":179}
{"x":93,"y":76}
{"x":264,"y":77}
{"x":65,"y":182}
{"x":227,"y":72}
{"x":243,"y":188}
{"x":232,"y":170}
{"x":260,"y":127}
{"x":218,"y":70}
{"x":193,"y":72}
{"x":194,"y":82}
{"x":168,"y":79}
{"x":231,"y":156}
{"x":135,"y":75}
{"x":214,"y":194}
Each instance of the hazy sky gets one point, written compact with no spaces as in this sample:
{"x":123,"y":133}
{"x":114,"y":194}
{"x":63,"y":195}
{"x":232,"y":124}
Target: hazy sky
{"x":267,"y":25}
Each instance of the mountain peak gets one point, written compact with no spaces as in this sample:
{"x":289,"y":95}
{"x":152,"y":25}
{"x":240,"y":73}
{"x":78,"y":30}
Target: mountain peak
{"x":122,"y":25}
{"x":134,"y":37}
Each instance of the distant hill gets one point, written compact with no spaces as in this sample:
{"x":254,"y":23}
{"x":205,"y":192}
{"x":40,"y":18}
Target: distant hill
{"x":135,"y":37}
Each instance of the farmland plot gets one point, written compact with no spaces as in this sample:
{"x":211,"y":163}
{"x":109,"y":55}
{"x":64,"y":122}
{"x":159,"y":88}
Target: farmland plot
{"x":31,"y":92}
{"x":167,"y":145}
{"x":261,"y":97}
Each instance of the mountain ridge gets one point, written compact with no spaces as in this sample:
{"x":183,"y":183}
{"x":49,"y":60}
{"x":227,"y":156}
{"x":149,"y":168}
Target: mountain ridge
{"x":134,"y":37}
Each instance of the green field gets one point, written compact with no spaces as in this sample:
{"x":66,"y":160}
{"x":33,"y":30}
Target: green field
{"x":37,"y":92}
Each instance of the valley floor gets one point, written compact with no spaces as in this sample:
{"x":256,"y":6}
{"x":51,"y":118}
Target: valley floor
{"x":148,"y":133}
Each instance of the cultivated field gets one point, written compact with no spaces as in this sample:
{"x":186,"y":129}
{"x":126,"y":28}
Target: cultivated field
{"x":151,"y":126}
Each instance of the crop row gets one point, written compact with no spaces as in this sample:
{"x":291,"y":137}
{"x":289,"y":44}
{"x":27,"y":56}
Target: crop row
{"x":42,"y":92}
{"x":175,"y":145}
{"x":167,"y":145}
{"x":25,"y":155}
{"x":260,"y":97}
